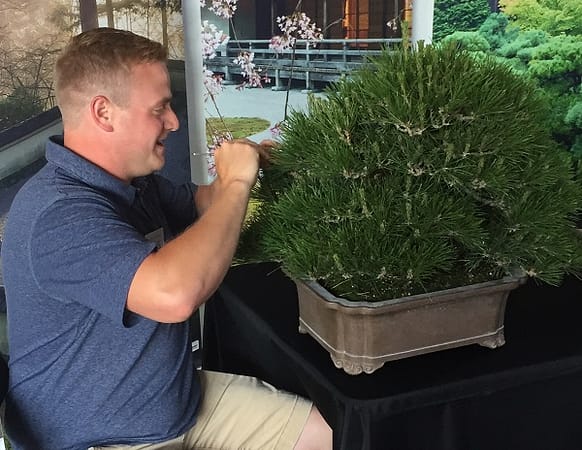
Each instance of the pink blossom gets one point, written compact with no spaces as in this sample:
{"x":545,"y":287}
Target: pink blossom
{"x":212,"y":38}
{"x":296,"y":26}
{"x":393,"y":24}
{"x":281,"y":43}
{"x":250,"y":71}
{"x":276,"y":129}
{"x":222,"y":8}
{"x":212,"y":84}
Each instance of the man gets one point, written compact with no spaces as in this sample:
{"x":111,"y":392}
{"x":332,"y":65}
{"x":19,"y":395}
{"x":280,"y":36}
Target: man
{"x":102,"y":272}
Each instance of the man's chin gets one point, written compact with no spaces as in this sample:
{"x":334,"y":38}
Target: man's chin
{"x":160,"y":156}
{"x":161,"y":164}
{"x":154,"y":166}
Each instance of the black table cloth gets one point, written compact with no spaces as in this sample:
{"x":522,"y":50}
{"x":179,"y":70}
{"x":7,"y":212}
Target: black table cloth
{"x":525,"y":395}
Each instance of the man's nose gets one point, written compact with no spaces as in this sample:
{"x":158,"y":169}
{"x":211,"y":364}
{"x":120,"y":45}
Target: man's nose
{"x":171,"y":121}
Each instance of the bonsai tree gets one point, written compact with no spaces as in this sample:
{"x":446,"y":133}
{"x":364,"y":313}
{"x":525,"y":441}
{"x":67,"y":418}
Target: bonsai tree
{"x":426,"y":170}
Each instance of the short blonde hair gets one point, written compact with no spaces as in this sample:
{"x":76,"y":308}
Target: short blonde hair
{"x":99,"y":61}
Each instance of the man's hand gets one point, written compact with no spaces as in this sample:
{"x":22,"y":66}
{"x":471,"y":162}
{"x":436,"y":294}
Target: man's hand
{"x":247,"y":149}
{"x":237,"y":160}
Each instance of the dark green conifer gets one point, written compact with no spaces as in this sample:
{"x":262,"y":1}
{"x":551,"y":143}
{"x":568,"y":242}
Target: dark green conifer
{"x":427,"y":170}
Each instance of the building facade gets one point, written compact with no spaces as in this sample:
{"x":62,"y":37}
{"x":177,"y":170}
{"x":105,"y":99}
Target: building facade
{"x":338,"y":19}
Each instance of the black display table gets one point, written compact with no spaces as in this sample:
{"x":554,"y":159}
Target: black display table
{"x":526,"y":395}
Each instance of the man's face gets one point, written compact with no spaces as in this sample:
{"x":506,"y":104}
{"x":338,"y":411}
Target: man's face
{"x":145,"y":121}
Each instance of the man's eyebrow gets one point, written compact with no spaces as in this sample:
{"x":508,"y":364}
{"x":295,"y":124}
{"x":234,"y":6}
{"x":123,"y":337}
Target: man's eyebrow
{"x":165,"y":100}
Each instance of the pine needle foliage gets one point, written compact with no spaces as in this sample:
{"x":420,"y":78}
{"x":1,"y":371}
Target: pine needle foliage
{"x":427,"y":170}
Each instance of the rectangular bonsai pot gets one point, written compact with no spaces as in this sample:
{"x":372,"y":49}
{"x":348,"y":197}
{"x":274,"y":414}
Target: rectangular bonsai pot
{"x":362,"y":336}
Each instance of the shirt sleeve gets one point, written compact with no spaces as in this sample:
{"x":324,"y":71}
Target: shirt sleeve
{"x":83,"y":251}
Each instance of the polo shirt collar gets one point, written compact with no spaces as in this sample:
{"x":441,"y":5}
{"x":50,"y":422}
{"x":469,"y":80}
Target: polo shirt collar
{"x":84,"y":170}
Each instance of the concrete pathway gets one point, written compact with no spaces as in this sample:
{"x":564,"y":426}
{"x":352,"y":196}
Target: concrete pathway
{"x":257,"y":102}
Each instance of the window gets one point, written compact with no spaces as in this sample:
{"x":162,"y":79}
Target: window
{"x":356,"y":19}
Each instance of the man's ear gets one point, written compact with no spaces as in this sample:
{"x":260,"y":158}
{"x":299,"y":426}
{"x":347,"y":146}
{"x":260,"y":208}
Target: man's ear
{"x":101,"y":112}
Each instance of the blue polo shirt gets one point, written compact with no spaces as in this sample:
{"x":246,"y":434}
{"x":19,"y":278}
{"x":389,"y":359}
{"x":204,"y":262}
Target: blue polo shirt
{"x":84,"y":371}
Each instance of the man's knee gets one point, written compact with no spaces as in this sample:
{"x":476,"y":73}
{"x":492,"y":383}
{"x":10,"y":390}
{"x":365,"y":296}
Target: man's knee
{"x":317,"y":434}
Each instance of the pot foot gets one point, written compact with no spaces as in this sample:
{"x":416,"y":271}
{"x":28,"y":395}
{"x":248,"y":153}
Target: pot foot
{"x":494,"y":341}
{"x":353,"y":368}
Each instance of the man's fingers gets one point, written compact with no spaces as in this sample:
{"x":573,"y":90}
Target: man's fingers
{"x":265,"y":151}
{"x":264,"y":157}
{"x":269,"y":143}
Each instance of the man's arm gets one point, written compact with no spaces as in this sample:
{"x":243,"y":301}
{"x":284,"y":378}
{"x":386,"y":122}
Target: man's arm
{"x":203,"y":197}
{"x":173,"y":282}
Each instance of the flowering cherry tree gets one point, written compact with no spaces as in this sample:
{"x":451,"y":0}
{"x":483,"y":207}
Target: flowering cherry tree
{"x":295,"y":26}
{"x":212,"y":38}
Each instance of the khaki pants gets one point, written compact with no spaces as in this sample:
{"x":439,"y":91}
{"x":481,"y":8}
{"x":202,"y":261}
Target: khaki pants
{"x":239,"y":413}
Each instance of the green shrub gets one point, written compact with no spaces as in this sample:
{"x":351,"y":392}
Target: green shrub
{"x":468,"y":40}
{"x":458,"y":15}
{"x":498,"y":31}
{"x":430,"y":169}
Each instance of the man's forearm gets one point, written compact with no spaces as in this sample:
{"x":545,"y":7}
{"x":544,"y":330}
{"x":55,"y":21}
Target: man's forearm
{"x":203,"y":197}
